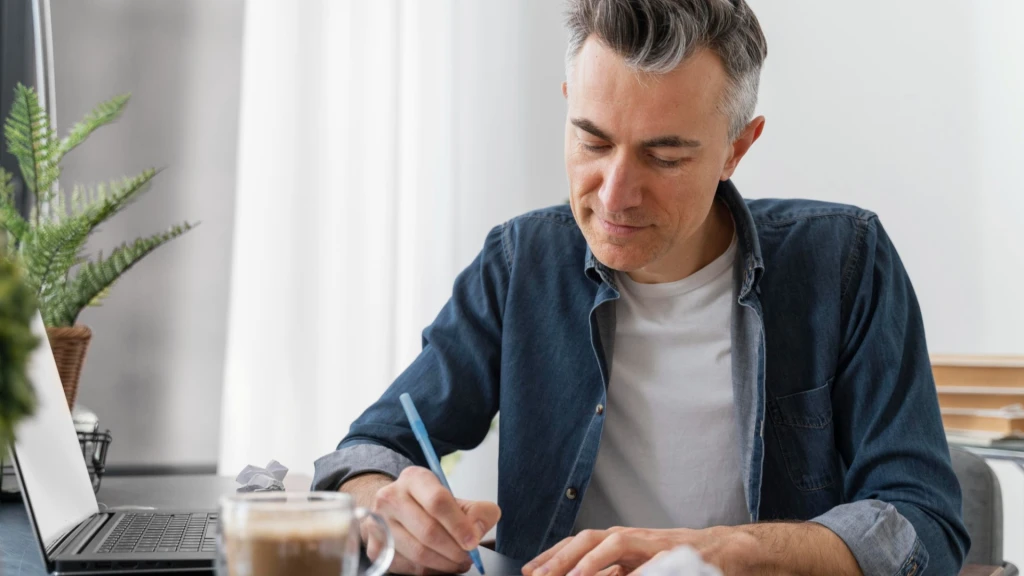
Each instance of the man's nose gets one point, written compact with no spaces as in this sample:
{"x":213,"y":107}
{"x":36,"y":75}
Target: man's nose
{"x":621,"y":188}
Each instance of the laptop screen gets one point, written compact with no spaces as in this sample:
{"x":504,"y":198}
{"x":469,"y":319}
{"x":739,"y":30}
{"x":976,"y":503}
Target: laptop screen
{"x":54,"y":481}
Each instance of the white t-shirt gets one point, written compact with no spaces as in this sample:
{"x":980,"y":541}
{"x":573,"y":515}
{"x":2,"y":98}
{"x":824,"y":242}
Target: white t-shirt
{"x":669,"y":456}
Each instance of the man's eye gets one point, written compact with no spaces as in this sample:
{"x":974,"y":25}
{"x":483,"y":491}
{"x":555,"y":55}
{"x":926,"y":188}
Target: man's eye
{"x":666,"y":163}
{"x":596,"y":147}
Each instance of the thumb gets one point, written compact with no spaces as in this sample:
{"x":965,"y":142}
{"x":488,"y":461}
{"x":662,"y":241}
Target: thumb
{"x":483,"y":514}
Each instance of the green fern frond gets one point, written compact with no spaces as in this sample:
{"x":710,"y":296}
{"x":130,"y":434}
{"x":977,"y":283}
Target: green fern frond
{"x":98,"y":299}
{"x":12,"y":223}
{"x":49,"y":251}
{"x":59,"y":239}
{"x":93,"y":278}
{"x":58,"y":307}
{"x":51,"y":242}
{"x":101,"y":203}
{"x":6,"y":186}
{"x":11,"y":220}
{"x":31,"y":140}
{"x":100,"y":116}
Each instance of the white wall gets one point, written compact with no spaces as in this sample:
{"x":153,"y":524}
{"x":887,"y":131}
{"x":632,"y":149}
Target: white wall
{"x":153,"y":372}
{"x":913,"y":109}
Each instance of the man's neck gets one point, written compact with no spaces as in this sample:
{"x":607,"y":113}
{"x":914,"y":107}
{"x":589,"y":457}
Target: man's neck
{"x":709,"y":242}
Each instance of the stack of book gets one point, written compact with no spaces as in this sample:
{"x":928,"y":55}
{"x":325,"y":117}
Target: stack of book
{"x":981,"y":397}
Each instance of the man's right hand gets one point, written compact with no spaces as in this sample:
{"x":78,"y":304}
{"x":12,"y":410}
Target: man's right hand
{"x":433,"y":530}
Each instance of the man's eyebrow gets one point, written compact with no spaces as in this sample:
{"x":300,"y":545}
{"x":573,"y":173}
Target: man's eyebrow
{"x":588,"y":126}
{"x":671,"y":142}
{"x":658,"y":142}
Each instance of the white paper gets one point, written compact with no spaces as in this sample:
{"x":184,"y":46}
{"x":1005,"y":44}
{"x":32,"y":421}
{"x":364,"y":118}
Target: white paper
{"x":682,"y":560}
{"x":256,"y":479}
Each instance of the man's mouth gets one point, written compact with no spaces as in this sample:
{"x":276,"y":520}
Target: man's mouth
{"x":619,"y":230}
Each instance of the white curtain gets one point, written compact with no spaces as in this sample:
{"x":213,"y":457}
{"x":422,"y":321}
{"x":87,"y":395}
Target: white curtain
{"x":352,"y":215}
{"x":334,"y":198}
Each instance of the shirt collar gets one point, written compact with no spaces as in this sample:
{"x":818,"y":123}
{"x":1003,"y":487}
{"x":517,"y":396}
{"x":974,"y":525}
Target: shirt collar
{"x":749,"y":245}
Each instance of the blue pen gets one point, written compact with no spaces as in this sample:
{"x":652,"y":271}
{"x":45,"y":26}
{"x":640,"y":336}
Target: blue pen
{"x":428,"y":450}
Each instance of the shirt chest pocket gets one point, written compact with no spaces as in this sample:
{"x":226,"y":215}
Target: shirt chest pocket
{"x":803,"y":424}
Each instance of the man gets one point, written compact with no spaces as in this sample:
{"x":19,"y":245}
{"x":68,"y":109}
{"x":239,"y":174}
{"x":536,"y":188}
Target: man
{"x":673,"y":365}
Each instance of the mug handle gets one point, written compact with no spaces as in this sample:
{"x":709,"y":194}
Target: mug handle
{"x":383,"y":562}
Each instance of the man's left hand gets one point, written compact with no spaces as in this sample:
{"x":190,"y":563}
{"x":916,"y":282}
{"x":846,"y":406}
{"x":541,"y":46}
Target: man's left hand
{"x":622,"y":551}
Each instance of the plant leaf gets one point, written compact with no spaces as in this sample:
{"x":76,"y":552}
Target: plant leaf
{"x":49,"y":251}
{"x":110,"y":200}
{"x":6,"y":186}
{"x":31,"y":140}
{"x":102,"y":295}
{"x":10,"y":219}
{"x":101,"y":115}
{"x":93,"y":278}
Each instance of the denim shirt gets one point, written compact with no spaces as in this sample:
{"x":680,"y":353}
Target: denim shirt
{"x":836,"y":408}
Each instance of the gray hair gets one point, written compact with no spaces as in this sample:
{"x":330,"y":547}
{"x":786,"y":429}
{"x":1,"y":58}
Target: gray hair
{"x":655,"y":36}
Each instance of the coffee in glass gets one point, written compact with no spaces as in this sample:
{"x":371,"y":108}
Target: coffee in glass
{"x":286,"y":533}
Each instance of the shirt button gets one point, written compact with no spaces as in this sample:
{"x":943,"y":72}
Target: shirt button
{"x":600,"y":409}
{"x":570,"y":493}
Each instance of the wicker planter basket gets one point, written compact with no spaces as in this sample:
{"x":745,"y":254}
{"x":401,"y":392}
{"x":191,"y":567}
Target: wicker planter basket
{"x":69,"y":346}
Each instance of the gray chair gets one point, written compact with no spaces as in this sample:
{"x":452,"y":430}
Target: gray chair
{"x":983,"y":508}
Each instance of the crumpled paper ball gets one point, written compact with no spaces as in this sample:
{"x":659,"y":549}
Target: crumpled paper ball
{"x":682,"y":561}
{"x":256,"y":479}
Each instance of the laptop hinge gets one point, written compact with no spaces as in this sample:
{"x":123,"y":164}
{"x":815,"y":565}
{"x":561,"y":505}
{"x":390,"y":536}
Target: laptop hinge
{"x":82,"y":534}
{"x":52,"y":549}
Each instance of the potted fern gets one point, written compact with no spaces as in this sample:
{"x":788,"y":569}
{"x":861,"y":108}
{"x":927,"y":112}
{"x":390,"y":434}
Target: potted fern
{"x":51,"y":241}
{"x":17,"y":311}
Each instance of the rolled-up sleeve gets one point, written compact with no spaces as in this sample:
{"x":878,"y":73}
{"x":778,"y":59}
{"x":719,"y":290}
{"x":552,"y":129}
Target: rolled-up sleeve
{"x":904,"y":503}
{"x":342,"y":465}
{"x":881,"y":539}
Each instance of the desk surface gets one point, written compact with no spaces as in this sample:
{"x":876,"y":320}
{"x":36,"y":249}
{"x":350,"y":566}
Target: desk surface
{"x":19,"y":551}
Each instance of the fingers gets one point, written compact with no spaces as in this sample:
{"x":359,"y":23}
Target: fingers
{"x":416,"y":558}
{"x":422,"y":542}
{"x":484,"y":515}
{"x":569,"y":555}
{"x":428,"y":531}
{"x":608,"y":552}
{"x":440,"y":505}
{"x":539,"y":561}
{"x":594,"y":553}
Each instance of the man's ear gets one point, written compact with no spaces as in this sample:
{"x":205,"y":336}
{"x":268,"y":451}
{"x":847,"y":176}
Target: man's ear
{"x":565,"y":89}
{"x":741,"y":144}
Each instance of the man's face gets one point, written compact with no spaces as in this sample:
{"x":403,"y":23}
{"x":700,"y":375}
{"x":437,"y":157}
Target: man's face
{"x":644,"y":155}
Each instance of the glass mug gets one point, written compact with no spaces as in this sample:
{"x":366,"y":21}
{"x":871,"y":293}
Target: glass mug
{"x":286,"y":533}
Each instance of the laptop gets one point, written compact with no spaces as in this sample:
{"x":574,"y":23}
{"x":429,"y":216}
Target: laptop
{"x":76,"y":536}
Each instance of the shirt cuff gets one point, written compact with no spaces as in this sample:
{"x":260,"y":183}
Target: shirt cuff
{"x":336,"y":468}
{"x":882,"y":540}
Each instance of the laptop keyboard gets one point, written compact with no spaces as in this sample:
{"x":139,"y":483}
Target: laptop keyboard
{"x":162,"y":533}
